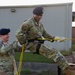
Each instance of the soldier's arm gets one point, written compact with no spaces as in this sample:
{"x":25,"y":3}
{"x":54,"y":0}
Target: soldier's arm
{"x":46,"y":35}
{"x":21,"y":33}
{"x":17,"y":47}
{"x":13,"y":46}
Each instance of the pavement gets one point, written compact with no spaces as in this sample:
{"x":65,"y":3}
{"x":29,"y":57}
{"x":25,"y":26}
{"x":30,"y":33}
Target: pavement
{"x":71,"y":58}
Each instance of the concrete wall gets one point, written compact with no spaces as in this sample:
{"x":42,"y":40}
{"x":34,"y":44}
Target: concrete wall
{"x":57,"y":21}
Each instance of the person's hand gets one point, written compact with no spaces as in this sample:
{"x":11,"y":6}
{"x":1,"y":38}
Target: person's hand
{"x":43,"y":38}
{"x":59,"y":39}
{"x":14,"y":44}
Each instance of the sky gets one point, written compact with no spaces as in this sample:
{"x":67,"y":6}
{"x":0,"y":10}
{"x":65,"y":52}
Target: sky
{"x":34,"y":2}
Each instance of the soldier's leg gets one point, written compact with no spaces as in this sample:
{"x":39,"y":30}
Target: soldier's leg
{"x":56,"y":56}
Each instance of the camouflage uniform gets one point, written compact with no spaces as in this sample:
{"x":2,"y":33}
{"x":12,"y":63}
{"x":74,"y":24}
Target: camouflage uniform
{"x":7,"y":58}
{"x":31,"y":30}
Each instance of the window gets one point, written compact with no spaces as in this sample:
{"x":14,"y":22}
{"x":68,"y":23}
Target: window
{"x":73,"y":16}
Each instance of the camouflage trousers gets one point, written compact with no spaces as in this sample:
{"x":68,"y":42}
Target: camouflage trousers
{"x":54,"y":55}
{"x":6,"y":66}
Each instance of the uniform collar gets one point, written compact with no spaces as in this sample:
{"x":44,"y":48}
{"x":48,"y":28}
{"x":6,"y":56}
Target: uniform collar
{"x":3,"y":42}
{"x":37,"y":24}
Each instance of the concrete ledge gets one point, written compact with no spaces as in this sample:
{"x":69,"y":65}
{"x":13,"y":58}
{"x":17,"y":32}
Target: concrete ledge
{"x":39,"y":67}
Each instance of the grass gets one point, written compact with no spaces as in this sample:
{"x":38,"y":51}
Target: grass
{"x":66,"y":53}
{"x":73,"y":47}
{"x":47,"y":73}
{"x":26,"y":71}
{"x":69,"y":52}
{"x":30,"y":57}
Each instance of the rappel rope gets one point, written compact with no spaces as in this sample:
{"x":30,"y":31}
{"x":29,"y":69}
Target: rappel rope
{"x":47,"y":39}
{"x":21,"y":58}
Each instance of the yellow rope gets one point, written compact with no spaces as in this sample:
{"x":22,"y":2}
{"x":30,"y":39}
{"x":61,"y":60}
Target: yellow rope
{"x":21,"y":58}
{"x":55,"y":39}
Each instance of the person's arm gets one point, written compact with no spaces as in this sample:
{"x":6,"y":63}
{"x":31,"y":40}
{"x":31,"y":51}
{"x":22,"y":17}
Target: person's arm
{"x":21,"y":33}
{"x":17,"y":47}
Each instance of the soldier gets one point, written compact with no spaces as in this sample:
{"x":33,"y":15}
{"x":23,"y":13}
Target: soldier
{"x":6,"y":53}
{"x":31,"y":30}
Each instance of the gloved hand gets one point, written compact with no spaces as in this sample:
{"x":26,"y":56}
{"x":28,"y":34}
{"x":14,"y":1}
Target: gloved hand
{"x":59,"y":39}
{"x":15,"y":44}
{"x":43,"y":38}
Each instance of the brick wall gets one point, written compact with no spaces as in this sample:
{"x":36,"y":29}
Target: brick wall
{"x":73,"y":34}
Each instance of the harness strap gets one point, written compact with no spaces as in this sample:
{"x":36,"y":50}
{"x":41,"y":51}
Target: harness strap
{"x":38,"y":45}
{"x":37,"y":48}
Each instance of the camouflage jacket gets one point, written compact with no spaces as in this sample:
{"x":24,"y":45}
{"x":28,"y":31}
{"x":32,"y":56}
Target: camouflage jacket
{"x":7,"y":54}
{"x":6,"y":49}
{"x":30,"y":29}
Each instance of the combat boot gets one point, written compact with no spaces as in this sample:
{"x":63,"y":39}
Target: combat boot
{"x":70,"y":70}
